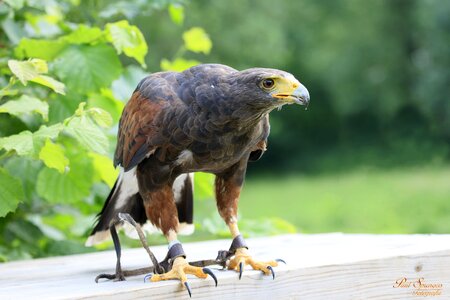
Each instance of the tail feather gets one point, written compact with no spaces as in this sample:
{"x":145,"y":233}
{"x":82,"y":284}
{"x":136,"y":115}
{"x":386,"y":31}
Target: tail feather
{"x":125,"y":198}
{"x":183,"y":190}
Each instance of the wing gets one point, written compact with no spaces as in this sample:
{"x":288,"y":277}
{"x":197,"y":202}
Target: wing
{"x":136,"y":126}
{"x":141,"y":126}
{"x":161,"y":114}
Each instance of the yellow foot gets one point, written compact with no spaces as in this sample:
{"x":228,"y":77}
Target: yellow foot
{"x":179,"y":270}
{"x":242,"y":258}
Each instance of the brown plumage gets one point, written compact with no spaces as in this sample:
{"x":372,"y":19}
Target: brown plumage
{"x":209,"y":118}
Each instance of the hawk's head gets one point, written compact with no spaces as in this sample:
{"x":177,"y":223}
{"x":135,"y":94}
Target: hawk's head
{"x":267,"y":88}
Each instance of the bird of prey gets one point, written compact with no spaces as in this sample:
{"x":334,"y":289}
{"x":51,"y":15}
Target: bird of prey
{"x":209,"y":118}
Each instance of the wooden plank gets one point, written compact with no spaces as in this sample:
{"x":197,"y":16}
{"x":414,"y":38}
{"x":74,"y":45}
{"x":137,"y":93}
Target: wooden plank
{"x":334,"y":266}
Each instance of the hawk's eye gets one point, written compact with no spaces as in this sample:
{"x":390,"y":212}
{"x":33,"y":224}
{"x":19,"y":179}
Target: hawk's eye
{"x":268,"y":83}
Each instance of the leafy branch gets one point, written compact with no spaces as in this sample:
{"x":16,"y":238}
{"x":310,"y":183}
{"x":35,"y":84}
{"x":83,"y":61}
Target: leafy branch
{"x":64,"y":87}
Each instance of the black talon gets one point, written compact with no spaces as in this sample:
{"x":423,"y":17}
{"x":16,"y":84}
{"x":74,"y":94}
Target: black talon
{"x":280,"y":260}
{"x":271,"y":270}
{"x":186,"y":284}
{"x":109,"y":277}
{"x":106,"y":276}
{"x":147,"y":276}
{"x":241,"y":267}
{"x":210,"y":273}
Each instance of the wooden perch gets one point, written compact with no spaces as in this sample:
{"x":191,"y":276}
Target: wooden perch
{"x":319,"y":266}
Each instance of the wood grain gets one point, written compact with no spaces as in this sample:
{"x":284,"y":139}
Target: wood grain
{"x":321,"y":266}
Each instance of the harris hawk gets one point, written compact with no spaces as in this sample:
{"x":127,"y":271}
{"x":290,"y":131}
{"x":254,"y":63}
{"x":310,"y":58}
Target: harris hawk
{"x":209,"y":118}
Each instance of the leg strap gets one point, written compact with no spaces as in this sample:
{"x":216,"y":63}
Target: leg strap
{"x":224,"y":255}
{"x":238,"y":242}
{"x":176,"y":250}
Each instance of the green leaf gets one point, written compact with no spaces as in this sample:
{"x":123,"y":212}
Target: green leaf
{"x":44,"y":49}
{"x":83,"y":35}
{"x":11,"y":192}
{"x":128,"y":39}
{"x":88,"y":134}
{"x":100,"y":116}
{"x":176,"y":12}
{"x":44,"y":133}
{"x":179,"y":64}
{"x":53,"y":156}
{"x":69,"y":187}
{"x":27,"y":70}
{"x":104,"y":168}
{"x":32,"y":70}
{"x":55,"y":85}
{"x":22,"y":143}
{"x":49,"y":49}
{"x":197,"y":40}
{"x":47,"y":132}
{"x":25,"y":105}
{"x":27,"y":143}
{"x":87,"y":68}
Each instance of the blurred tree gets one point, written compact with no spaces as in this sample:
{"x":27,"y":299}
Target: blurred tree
{"x":377,"y":72}
{"x":432,"y":61}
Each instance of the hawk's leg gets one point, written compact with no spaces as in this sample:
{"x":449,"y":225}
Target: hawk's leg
{"x":228,"y":188}
{"x":161,"y":211}
{"x":118,"y":276}
{"x":127,"y":218}
{"x":121,"y":274}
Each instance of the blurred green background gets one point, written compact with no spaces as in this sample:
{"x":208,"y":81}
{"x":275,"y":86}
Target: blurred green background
{"x":371,"y":153}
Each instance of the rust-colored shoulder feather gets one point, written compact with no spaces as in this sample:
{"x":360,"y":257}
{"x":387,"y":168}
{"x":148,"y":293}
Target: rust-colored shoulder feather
{"x":138,"y":130}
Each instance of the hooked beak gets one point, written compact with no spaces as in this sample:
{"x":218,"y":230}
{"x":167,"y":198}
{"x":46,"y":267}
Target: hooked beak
{"x":292,"y":93}
{"x":301,"y":95}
